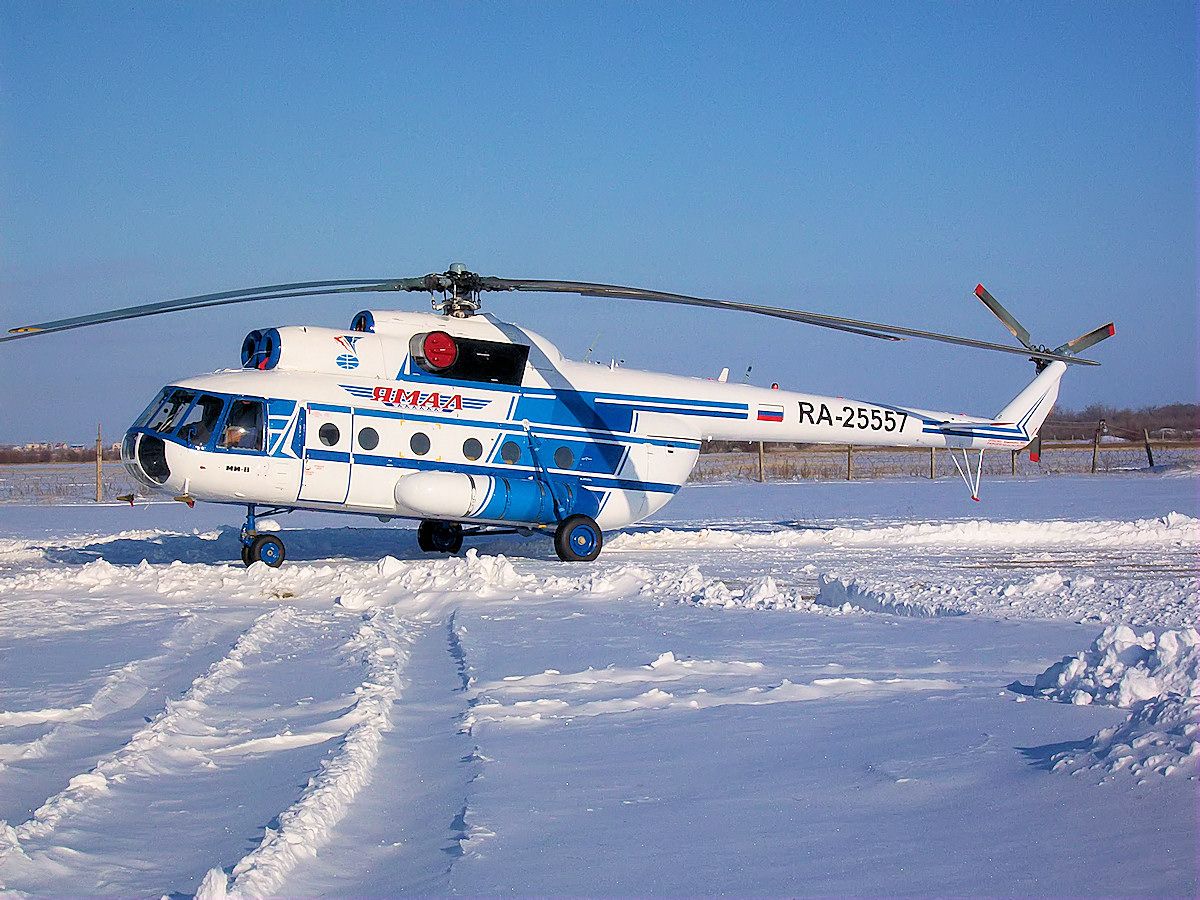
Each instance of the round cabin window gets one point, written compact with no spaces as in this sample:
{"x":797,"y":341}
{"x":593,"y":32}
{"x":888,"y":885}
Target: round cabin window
{"x":472,"y":449}
{"x":419,"y":443}
{"x":329,"y":434}
{"x":368,"y":439}
{"x":510,"y":452}
{"x":564,"y":458}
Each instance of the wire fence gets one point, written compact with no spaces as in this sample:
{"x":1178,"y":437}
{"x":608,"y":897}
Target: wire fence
{"x":832,"y":462}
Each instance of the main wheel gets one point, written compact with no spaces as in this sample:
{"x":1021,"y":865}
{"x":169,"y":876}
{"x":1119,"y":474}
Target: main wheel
{"x":578,"y":539}
{"x":247,"y":559}
{"x":265,"y":548}
{"x":440,"y":537}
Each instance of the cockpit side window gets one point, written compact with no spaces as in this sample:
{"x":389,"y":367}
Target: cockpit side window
{"x":198,"y":425}
{"x":167,"y":416}
{"x":244,"y":426}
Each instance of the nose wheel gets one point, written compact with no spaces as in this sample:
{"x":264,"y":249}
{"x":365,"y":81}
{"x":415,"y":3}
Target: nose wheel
{"x":265,"y":548}
{"x":578,"y":539}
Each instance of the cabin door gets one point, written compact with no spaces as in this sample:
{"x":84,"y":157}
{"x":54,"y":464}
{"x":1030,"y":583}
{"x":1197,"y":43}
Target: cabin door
{"x":328,"y":432}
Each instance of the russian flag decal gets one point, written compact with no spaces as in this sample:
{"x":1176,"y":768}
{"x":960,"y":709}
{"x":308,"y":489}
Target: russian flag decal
{"x":770,"y":414}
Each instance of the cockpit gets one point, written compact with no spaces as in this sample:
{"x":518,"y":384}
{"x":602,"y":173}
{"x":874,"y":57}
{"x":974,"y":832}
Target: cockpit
{"x":194,"y":419}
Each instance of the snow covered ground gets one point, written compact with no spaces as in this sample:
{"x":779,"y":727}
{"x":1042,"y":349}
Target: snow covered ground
{"x":813,"y":688}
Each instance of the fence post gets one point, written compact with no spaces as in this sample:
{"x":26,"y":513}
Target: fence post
{"x":1149,"y":452}
{"x":849,"y":462}
{"x":99,"y":465}
{"x":761,"y":464}
{"x":932,"y":463}
{"x":1095,"y":449}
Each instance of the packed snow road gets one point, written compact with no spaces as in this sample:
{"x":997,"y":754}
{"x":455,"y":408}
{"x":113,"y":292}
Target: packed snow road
{"x":809,"y":688}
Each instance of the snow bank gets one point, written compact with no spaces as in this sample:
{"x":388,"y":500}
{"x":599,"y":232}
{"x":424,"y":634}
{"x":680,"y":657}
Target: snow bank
{"x":430,"y":587}
{"x":667,"y":667}
{"x":540,"y":711}
{"x":1158,"y":677}
{"x":1122,"y":668}
{"x":1158,"y":602}
{"x":691,"y":586}
{"x":1174,"y":529}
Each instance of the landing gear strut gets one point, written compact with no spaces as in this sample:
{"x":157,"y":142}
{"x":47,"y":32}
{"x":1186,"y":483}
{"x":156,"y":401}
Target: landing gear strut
{"x":265,"y":548}
{"x":440,"y":537}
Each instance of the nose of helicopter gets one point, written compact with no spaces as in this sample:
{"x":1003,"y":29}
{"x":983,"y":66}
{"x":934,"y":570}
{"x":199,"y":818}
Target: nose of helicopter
{"x":145,"y":456}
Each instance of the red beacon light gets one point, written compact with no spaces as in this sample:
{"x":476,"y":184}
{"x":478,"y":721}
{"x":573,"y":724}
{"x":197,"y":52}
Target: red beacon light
{"x":439,"y":350}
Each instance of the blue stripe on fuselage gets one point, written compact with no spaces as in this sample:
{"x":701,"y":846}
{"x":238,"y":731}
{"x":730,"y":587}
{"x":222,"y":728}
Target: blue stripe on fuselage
{"x":503,"y":471}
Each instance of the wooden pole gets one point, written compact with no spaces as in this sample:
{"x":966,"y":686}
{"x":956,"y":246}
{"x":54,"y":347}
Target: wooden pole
{"x":1095,"y":450}
{"x":849,"y":462}
{"x":1149,"y":452}
{"x":99,"y":465}
{"x":762,"y":470}
{"x":932,"y":463}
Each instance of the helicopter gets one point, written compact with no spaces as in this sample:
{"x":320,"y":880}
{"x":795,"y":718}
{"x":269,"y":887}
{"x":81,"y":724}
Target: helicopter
{"x":475,"y":426}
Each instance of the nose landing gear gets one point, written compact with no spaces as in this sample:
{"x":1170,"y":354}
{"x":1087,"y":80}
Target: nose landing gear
{"x":265,"y":548}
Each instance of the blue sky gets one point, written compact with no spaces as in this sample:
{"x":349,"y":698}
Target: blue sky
{"x":858,"y":159}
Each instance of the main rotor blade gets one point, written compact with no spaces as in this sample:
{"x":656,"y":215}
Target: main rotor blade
{"x":857,"y":326}
{"x":1019,"y":331}
{"x":246,"y":295}
{"x":587,"y":289}
{"x":1091,"y":339}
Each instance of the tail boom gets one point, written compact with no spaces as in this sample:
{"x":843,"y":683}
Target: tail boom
{"x":808,"y":418}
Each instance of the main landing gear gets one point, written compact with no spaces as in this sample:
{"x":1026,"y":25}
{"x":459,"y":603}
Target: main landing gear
{"x":440,"y":537}
{"x":576,"y":539}
{"x":265,"y":548}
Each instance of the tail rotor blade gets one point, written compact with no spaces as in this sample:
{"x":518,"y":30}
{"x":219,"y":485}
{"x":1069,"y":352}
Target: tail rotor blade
{"x":1090,"y":339}
{"x":1019,"y":331}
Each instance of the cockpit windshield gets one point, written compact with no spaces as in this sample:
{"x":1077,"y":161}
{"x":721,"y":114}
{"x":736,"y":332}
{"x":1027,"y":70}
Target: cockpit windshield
{"x":140,"y":421}
{"x":167,"y":416}
{"x":206,"y":421}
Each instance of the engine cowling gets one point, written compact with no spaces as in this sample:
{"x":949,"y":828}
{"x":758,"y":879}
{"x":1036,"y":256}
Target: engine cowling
{"x":328,"y":351}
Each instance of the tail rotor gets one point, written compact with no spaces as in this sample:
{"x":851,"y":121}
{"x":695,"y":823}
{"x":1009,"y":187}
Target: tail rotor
{"x":1021,"y":333}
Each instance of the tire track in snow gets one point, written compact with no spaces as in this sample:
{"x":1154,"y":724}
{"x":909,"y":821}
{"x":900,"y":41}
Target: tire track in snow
{"x":307,"y":824}
{"x":136,"y":754}
{"x":462,"y":831}
{"x":120,"y":690}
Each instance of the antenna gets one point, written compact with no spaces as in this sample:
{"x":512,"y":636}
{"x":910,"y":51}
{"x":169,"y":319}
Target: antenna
{"x":587,"y":356}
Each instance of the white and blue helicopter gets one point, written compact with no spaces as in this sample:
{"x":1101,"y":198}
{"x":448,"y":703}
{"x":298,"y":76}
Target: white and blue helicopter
{"x":456,"y":418}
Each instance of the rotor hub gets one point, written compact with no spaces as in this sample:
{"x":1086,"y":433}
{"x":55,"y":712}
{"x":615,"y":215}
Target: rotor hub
{"x":459,"y":289}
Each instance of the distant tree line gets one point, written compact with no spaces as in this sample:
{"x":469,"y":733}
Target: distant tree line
{"x":1182,"y":419}
{"x":61,"y":455}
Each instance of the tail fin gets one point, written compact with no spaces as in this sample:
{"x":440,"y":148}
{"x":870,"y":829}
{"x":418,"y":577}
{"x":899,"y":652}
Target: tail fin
{"x":1029,"y":409}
